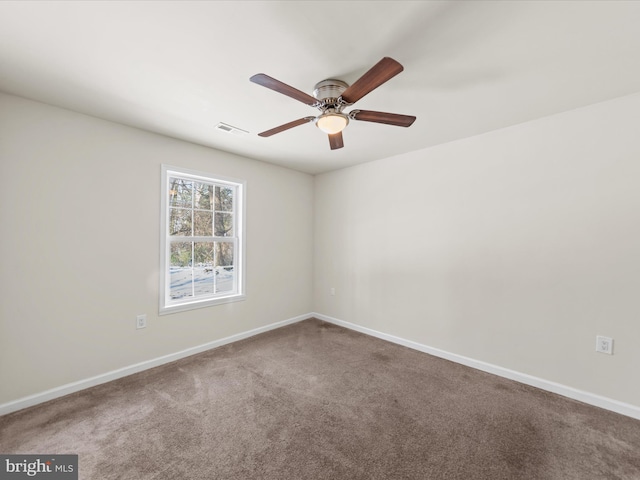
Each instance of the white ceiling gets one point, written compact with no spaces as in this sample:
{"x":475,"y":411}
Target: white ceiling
{"x":179,"y":68}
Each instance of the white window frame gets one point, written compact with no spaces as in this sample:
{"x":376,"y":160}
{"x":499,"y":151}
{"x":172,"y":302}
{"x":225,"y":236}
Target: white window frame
{"x":168,"y":305}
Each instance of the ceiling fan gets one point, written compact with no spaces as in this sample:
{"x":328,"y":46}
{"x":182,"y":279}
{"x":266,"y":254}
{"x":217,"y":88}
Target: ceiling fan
{"x":332,"y":96}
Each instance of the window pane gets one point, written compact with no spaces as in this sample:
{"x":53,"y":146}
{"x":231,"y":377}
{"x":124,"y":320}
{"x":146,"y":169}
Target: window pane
{"x":203,"y":269}
{"x":224,"y":199}
{"x":204,"y":194}
{"x":225,"y":271}
{"x":224,"y":254}
{"x":225,"y":279}
{"x":180,"y":192}
{"x":180,"y":272}
{"x":179,"y":221}
{"x":224,"y":225}
{"x":203,"y":224}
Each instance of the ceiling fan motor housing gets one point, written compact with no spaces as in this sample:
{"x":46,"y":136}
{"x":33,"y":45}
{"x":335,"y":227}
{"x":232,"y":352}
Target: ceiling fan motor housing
{"x":328,"y":91}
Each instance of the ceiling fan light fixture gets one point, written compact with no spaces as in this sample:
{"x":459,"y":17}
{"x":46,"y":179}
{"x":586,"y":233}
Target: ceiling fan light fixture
{"x":332,"y":122}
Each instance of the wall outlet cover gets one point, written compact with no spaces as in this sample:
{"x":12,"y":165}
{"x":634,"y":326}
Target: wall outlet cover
{"x":604,"y":345}
{"x":141,"y":321}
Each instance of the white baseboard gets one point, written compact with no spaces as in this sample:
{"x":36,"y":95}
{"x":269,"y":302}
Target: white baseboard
{"x":580,"y":395}
{"x":570,"y":392}
{"x":138,"y":367}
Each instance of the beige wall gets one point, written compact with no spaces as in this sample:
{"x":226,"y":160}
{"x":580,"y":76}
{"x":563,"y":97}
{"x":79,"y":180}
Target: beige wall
{"x":80,"y":208}
{"x":515,"y":248}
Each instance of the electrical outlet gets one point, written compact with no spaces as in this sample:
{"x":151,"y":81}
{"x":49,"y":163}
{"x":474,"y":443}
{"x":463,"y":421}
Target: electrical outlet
{"x":604,"y":345}
{"x":141,"y":321}
{"x":332,"y":291}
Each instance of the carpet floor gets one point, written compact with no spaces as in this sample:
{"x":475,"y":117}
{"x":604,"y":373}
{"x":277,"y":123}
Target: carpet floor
{"x":316,"y":401}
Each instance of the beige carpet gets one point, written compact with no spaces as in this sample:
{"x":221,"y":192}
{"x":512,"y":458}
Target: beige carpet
{"x":315,"y":401}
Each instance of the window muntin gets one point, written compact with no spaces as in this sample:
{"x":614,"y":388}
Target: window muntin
{"x":202,"y":240}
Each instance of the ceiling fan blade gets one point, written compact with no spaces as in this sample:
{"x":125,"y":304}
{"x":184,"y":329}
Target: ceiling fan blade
{"x":383,"y":117}
{"x":286,"y":126}
{"x":278,"y":86}
{"x":382,"y":71}
{"x":335,"y":140}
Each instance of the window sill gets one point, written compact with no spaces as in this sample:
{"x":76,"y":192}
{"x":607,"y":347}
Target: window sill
{"x":166,"y":310}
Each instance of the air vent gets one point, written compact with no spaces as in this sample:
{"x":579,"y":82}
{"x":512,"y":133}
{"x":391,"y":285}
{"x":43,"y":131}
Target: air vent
{"x":223,"y":127}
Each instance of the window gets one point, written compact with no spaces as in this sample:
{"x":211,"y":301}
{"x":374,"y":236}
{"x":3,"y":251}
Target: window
{"x":202,"y":240}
